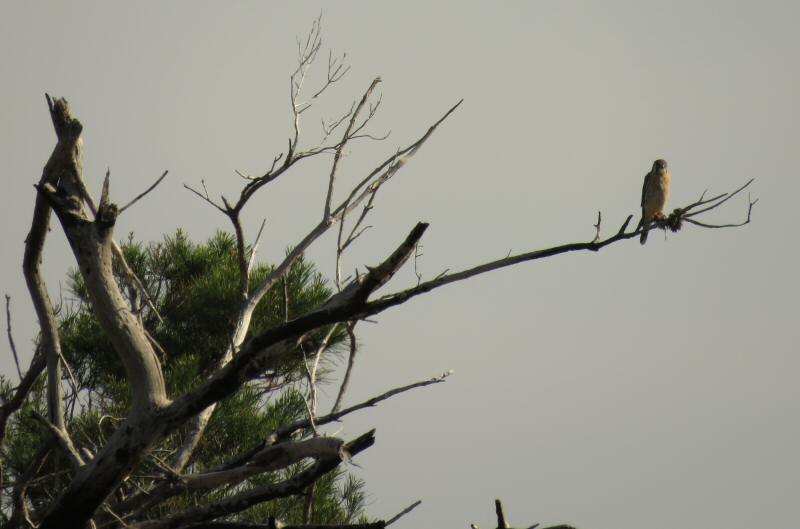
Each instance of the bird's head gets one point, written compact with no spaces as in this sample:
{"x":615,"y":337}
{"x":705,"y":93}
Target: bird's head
{"x":659,"y":166}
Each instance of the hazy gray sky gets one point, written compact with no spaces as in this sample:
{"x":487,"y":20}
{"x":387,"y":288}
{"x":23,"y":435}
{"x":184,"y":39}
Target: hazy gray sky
{"x":646,"y":386}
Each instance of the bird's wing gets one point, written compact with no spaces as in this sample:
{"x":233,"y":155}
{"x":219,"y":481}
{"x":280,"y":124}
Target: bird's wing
{"x":645,"y":185}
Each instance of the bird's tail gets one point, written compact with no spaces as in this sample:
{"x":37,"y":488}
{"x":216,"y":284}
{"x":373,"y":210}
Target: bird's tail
{"x":643,"y":237}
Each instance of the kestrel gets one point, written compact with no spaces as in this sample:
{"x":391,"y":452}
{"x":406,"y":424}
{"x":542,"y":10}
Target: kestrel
{"x":655,"y":193}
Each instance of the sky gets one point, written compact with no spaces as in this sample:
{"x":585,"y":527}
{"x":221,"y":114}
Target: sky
{"x":639,"y":386}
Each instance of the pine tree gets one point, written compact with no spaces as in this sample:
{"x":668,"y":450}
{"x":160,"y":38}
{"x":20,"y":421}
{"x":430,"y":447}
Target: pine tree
{"x":194,"y":291}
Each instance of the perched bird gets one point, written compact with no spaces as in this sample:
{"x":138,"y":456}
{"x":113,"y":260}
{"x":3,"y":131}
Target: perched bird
{"x":655,"y":193}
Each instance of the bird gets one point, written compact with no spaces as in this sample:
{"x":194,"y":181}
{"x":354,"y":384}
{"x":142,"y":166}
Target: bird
{"x":655,"y":193}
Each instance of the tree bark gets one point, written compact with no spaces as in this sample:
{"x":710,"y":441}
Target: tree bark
{"x":91,"y":241}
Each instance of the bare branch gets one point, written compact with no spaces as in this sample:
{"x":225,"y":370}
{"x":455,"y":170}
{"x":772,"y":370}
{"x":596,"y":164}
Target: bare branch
{"x":66,"y":161}
{"x":308,"y":508}
{"x":498,"y":509}
{"x":351,"y":360}
{"x":402,"y":513}
{"x":329,"y":128}
{"x":715,"y":201}
{"x":253,"y":249}
{"x":143,"y":193}
{"x":108,"y":509}
{"x":153,"y":416}
{"x":347,"y":134}
{"x":287,"y":431}
{"x":750,"y":205}
{"x":243,"y":500}
{"x":389,"y":166}
{"x":417,"y":254}
{"x":11,"y":336}
{"x":401,"y":297}
{"x":597,"y":227}
{"x":376,"y":178}
{"x":305,"y":56}
{"x":204,"y":196}
{"x":62,"y":438}
{"x":251,"y":301}
{"x":104,"y":198}
{"x":352,"y":302}
{"x":62,"y":189}
{"x":312,"y":372}
{"x":268,"y":459}
{"x":625,"y":224}
{"x":241,"y":251}
{"x":336,"y":70}
{"x":111,"y":212}
{"x":353,"y":235}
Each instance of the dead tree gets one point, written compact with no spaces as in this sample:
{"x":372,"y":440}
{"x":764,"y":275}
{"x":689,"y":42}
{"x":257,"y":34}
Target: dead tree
{"x":89,"y":499}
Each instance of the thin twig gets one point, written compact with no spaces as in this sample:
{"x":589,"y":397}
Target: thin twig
{"x":402,"y":513}
{"x":310,"y":402}
{"x":288,"y":430}
{"x":107,"y":509}
{"x":241,"y":251}
{"x":329,"y":128}
{"x":417,"y":254}
{"x":335,"y":72}
{"x":11,"y":337}
{"x":725,"y":197}
{"x":597,"y":227}
{"x":254,"y":248}
{"x":143,"y":193}
{"x":204,"y":197}
{"x":734,"y":225}
{"x":352,"y":236}
{"x":311,"y":375}
{"x":351,"y":360}
{"x":128,"y":274}
{"x":308,"y":508}
{"x":345,"y":137}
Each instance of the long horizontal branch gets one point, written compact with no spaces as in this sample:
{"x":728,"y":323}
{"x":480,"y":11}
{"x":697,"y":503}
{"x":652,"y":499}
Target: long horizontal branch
{"x":285,"y":432}
{"x":267,"y":459}
{"x":352,"y":302}
{"x":246,"y":499}
{"x":673,"y":222}
{"x":402,"y":296}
